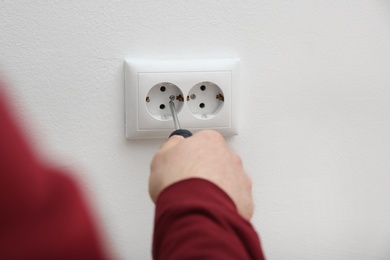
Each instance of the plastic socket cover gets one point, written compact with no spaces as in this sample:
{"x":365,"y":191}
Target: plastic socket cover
{"x":205,"y":92}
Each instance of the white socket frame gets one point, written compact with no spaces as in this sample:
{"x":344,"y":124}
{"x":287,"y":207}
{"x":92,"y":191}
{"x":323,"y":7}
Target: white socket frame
{"x":142,"y":75}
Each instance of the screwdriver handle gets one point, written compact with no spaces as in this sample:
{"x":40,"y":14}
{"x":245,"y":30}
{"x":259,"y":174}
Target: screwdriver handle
{"x":183,"y":132}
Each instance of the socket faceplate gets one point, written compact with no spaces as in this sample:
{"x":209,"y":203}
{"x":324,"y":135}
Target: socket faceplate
{"x":142,"y":75}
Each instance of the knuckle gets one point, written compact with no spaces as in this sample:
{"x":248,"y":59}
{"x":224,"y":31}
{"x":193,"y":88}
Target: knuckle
{"x":249,"y":183}
{"x":237,"y":159}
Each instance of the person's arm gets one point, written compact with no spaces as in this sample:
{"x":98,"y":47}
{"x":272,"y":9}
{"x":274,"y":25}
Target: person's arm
{"x":42,"y":213}
{"x":197,"y":220}
{"x":203,"y":201}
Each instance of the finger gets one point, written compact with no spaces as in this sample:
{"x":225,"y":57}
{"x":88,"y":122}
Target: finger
{"x":249,"y":211}
{"x":211,"y":135}
{"x":173,"y":141}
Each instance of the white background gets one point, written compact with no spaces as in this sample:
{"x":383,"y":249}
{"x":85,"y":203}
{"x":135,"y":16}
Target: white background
{"x":315,"y":110}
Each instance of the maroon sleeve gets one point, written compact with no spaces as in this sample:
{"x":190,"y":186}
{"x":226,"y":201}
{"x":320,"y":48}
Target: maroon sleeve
{"x":195,"y":219}
{"x":42,"y":213}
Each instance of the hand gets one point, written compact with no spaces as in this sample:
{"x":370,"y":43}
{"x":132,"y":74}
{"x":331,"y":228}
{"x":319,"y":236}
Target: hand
{"x":205,"y":155}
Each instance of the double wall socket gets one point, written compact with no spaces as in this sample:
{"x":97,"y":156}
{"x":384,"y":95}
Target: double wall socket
{"x":205,"y":91}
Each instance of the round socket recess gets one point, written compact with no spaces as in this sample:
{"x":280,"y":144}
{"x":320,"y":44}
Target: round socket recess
{"x":158,"y":97}
{"x":205,"y":100}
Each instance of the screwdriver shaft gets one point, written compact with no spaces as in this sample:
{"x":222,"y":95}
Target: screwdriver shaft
{"x":174,"y":115}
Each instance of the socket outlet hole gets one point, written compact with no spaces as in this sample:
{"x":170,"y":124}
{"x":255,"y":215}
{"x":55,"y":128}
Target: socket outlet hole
{"x":158,"y":97}
{"x":205,"y":100}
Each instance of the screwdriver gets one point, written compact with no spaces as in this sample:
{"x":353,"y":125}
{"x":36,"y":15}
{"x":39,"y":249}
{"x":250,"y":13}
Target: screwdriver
{"x":183,"y":132}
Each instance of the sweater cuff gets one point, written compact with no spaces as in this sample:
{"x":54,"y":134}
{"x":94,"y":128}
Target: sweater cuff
{"x":195,"y":191}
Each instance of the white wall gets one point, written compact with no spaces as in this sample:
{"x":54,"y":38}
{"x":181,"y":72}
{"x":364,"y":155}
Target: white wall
{"x":315,"y":106}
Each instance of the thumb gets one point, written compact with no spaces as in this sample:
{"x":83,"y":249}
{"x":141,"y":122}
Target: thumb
{"x":173,"y":141}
